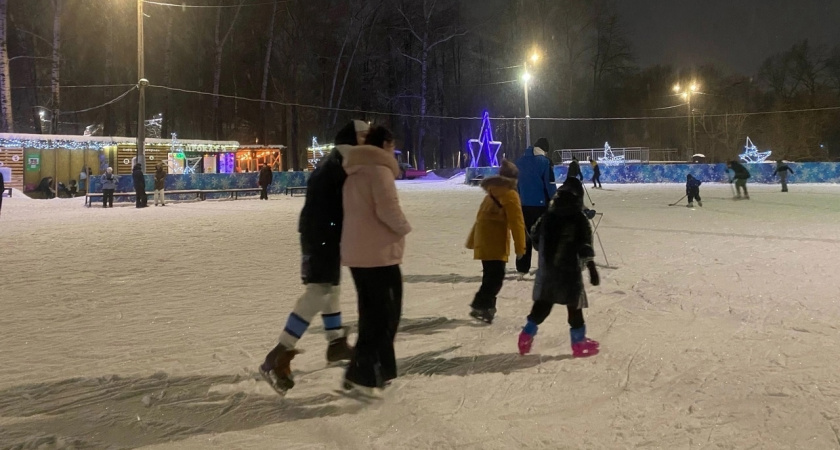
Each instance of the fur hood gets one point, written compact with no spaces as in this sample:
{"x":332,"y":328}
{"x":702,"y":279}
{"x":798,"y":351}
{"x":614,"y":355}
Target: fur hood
{"x":498,"y":182}
{"x":369,"y":155}
{"x":539,"y":152}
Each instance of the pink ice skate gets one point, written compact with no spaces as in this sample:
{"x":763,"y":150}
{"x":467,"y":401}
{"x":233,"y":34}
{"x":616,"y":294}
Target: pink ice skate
{"x":525,"y":341}
{"x":585,"y":348}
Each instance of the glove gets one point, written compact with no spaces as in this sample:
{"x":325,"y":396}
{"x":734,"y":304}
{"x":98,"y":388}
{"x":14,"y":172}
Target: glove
{"x":590,"y":213}
{"x":594,"y":278}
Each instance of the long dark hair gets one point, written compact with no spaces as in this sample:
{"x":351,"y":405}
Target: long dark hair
{"x":378,"y":136}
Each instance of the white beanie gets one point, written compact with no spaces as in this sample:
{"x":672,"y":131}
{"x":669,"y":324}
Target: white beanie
{"x":361,"y":126}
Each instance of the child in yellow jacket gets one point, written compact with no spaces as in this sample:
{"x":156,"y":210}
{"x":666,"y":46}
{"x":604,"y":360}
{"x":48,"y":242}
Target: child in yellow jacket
{"x":499,"y":217}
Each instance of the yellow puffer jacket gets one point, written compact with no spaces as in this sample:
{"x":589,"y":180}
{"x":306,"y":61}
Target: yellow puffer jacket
{"x":499,"y":216}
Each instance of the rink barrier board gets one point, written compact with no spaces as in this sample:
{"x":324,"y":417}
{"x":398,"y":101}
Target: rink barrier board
{"x":208,"y":181}
{"x":809,"y":172}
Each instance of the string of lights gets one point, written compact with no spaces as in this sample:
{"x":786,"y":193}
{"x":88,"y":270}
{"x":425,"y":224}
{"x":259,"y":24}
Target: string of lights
{"x":548,"y":119}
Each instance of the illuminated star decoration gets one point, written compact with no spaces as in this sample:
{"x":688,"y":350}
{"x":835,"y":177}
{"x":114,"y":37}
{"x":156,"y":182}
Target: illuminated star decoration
{"x":751,"y":153}
{"x":610,"y":158}
{"x":484,"y":143}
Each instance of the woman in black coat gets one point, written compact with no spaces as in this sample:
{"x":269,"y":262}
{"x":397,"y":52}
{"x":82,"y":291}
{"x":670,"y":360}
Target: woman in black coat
{"x":139,"y":186}
{"x":266,"y":177}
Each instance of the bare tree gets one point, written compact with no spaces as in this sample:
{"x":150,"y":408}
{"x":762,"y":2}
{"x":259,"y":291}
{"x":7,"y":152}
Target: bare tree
{"x":267,"y":69}
{"x":220,"y":40}
{"x":55,"y":81}
{"x":428,"y":36}
{"x":7,"y":123}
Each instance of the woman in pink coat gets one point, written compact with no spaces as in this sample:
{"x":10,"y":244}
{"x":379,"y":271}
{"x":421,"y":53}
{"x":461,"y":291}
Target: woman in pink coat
{"x":372,"y":243}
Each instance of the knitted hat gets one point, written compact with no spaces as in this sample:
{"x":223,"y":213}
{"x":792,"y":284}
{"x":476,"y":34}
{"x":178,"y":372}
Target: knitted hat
{"x":508,"y":169}
{"x":361,"y":126}
{"x":542,"y":143}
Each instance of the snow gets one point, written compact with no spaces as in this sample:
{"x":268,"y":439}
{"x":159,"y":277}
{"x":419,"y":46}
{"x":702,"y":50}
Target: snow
{"x":130,"y":328}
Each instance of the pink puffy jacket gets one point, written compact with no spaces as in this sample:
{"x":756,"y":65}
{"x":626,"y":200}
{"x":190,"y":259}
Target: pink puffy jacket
{"x":374,"y":228}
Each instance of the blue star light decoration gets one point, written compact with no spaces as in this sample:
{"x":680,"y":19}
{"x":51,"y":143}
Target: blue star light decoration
{"x":484,"y":143}
{"x":609,"y":157}
{"x":752,"y":155}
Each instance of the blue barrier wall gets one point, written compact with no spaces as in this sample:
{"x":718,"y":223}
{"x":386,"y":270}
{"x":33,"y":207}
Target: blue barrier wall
{"x":209,"y":181}
{"x":818,"y":172}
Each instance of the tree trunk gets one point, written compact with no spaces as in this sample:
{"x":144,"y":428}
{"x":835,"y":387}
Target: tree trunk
{"x":346,"y":73}
{"x":56,"y":66}
{"x":167,"y":77}
{"x":217,"y":68}
{"x":7,"y":123}
{"x":421,"y":126}
{"x":338,"y":63}
{"x":266,"y":73}
{"x":109,"y":122}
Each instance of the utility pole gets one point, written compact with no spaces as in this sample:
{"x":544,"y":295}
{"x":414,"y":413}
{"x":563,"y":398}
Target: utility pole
{"x":142,"y":83}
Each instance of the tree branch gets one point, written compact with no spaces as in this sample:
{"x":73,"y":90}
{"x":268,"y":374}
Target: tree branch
{"x":408,"y":22}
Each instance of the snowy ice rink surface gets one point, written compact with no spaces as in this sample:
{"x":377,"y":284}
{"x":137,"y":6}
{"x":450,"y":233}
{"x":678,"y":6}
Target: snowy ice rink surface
{"x":719,"y":329}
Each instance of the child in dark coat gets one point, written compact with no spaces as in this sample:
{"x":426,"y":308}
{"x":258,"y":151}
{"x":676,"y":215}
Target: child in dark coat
{"x":692,"y":190}
{"x":564,"y":241}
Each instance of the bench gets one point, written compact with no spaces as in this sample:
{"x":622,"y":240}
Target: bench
{"x":476,"y":181}
{"x":9,"y":190}
{"x":234,"y":193}
{"x":292,"y":190}
{"x":89,"y":196}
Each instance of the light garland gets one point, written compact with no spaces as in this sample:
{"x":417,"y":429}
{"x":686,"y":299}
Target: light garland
{"x":317,"y":152}
{"x":752,"y":155}
{"x":93,"y":143}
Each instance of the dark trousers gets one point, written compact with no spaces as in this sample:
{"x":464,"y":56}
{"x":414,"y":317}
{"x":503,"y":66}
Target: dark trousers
{"x":541,"y":310}
{"x":491,"y":283}
{"x":380,"y":307}
{"x":141,"y":199}
{"x":596,"y":180}
{"x":263,"y":192}
{"x":532,"y":214}
{"x":694,"y":194}
{"x":107,"y":198}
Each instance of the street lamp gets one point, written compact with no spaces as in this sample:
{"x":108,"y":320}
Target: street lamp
{"x":686,"y":95}
{"x":526,"y":78}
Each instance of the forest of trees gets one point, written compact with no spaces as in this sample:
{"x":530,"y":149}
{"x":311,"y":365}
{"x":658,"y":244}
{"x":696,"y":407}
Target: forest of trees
{"x":283,"y":71}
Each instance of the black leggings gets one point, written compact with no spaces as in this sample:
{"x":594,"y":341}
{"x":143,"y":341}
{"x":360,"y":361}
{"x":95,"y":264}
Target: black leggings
{"x":541,"y":310}
{"x":380,"y":307}
{"x":107,"y":197}
{"x":491,"y":284}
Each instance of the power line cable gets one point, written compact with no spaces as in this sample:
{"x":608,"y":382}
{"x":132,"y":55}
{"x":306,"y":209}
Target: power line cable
{"x":110,"y":102}
{"x":550,"y":119}
{"x":184,"y":5}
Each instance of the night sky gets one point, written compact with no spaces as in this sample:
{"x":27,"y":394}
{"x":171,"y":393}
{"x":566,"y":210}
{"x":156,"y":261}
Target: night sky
{"x":735,"y":34}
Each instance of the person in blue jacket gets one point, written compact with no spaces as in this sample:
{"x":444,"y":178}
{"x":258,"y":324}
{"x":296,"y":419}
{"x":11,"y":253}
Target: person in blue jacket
{"x":692,"y":190}
{"x":536,"y":188}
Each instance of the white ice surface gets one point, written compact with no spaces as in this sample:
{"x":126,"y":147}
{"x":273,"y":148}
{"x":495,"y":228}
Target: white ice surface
{"x":718,"y":325}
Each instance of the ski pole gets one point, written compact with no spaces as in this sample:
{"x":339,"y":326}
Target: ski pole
{"x":587,"y":194}
{"x":676,"y":202}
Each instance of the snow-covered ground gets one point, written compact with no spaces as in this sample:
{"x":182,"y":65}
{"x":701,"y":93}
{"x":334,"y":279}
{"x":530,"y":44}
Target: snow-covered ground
{"x":124,"y":328}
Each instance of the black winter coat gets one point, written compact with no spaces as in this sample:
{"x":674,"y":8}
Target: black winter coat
{"x":574,"y":170}
{"x":741,"y":172}
{"x":160,"y":178}
{"x":321,"y":220}
{"x":139,"y":180}
{"x":563,"y":239}
{"x":265,"y":177}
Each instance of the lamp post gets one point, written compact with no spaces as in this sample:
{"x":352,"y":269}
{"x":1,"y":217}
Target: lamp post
{"x":686,"y":94}
{"x":526,"y":77}
{"x":142,"y":83}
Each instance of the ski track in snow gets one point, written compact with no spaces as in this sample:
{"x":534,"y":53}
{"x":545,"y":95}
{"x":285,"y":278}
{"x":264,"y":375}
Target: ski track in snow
{"x":128,"y":329}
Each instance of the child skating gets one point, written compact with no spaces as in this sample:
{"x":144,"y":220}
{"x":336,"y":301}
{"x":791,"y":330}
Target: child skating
{"x":564,"y":241}
{"x":692,"y":190}
{"x":499,"y":216}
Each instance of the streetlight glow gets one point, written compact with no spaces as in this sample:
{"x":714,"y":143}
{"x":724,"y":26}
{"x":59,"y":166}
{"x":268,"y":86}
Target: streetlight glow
{"x":677,"y":88}
{"x":685,"y":95}
{"x":693,"y":87}
{"x":526,"y":77}
{"x":535,"y":57}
